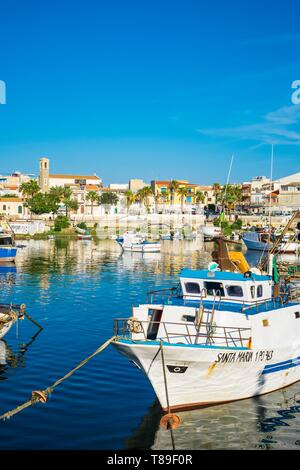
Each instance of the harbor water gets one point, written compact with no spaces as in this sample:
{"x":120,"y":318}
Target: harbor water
{"x":75,"y":289}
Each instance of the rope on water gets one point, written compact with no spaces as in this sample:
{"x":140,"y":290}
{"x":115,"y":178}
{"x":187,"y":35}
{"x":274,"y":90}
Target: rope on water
{"x":42,"y":395}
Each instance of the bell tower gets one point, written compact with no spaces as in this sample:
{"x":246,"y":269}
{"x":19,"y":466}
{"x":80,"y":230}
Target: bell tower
{"x":44,"y":174}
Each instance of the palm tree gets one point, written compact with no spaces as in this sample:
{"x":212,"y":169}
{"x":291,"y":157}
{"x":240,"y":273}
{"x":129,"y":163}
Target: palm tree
{"x":65,"y":196}
{"x":230,"y":196}
{"x":164,"y":196}
{"x":130,"y":199}
{"x":182,"y":193}
{"x":216,"y":188}
{"x":174,"y":185}
{"x":30,"y":189}
{"x":199,"y":197}
{"x":146,"y":192}
{"x":93,"y":197}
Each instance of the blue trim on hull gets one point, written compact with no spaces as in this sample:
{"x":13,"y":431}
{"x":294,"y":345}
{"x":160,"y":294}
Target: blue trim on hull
{"x":7,"y":253}
{"x":165,"y":343}
{"x":269,"y":369}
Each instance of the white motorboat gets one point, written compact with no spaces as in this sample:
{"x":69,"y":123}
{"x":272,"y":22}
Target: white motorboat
{"x":131,"y":241}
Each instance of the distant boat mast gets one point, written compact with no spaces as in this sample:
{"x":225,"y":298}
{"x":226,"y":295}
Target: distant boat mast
{"x":227,"y":181}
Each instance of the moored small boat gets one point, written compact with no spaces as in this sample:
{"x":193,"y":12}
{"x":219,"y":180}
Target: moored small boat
{"x":132,"y":241}
{"x":210,"y":232}
{"x":9,"y":314}
{"x":8,"y":249}
{"x":260,"y":242}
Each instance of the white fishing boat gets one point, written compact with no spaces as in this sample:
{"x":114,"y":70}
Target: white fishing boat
{"x":131,"y":241}
{"x":217,"y":337}
{"x":210,"y":231}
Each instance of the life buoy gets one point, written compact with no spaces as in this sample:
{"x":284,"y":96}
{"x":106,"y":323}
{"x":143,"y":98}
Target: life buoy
{"x":135,"y":325}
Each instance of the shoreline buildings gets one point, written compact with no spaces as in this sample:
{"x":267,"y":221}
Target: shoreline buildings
{"x":259,"y":195}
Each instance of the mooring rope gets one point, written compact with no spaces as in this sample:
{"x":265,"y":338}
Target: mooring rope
{"x":41,"y":395}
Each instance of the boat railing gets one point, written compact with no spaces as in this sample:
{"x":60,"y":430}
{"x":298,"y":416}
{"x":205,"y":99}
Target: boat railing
{"x":203,"y":333}
{"x":163,"y":294}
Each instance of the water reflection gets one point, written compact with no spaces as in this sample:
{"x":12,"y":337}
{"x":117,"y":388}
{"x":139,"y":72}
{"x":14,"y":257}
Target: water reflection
{"x":74,"y":290}
{"x":267,"y":422}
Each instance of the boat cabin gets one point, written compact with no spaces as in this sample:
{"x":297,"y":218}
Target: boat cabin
{"x":226,"y":286}
{"x":6,"y":240}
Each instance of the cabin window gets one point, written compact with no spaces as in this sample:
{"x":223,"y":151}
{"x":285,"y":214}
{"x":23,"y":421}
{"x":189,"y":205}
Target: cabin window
{"x":234,"y":291}
{"x":5,"y":241}
{"x":265,"y":322}
{"x":189,"y":318}
{"x":252,"y":290}
{"x":297,"y":314}
{"x":155,"y":317}
{"x":214,"y":288}
{"x":192,"y":288}
{"x":259,"y":291}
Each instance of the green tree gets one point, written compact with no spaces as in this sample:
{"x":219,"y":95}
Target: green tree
{"x":230,"y":196}
{"x":64,"y":195}
{"x":30,"y":189}
{"x":42,"y":204}
{"x":130,"y":199}
{"x":174,"y":186}
{"x":93,"y":197}
{"x":108,"y":199}
{"x":182,"y":192}
{"x":143,"y":195}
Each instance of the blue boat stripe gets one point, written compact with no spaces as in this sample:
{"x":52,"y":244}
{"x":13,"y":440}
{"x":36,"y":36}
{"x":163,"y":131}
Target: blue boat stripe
{"x":270,"y":366}
{"x":281,"y":366}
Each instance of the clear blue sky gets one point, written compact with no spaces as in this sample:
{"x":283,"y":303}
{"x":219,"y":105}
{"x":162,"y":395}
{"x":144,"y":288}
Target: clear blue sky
{"x":151,"y":89}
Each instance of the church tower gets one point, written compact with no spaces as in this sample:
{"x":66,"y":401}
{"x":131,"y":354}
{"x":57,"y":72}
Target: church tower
{"x":44,"y":174}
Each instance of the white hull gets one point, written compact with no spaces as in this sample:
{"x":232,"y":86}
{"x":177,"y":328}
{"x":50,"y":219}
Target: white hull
{"x":143,"y":248}
{"x":207,"y":379}
{"x":5,"y":328}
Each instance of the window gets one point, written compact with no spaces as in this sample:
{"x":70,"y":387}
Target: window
{"x":19,"y":209}
{"x":252,"y":290}
{"x":189,"y":318}
{"x":259,"y":291}
{"x":297,"y":314}
{"x":4,"y":207}
{"x":214,"y":288}
{"x":265,"y":322}
{"x":155,"y":317}
{"x":234,"y":291}
{"x":192,"y":288}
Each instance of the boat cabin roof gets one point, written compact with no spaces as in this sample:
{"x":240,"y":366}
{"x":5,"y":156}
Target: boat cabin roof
{"x":222,"y":275}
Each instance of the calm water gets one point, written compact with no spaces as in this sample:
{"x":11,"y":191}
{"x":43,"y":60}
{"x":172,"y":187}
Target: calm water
{"x":75,"y":289}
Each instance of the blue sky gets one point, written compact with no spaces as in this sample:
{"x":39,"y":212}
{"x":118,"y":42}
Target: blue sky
{"x":150,"y":89}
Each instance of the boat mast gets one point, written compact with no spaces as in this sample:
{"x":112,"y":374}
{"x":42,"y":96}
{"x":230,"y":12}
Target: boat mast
{"x":227,"y":182}
{"x":270,"y":201}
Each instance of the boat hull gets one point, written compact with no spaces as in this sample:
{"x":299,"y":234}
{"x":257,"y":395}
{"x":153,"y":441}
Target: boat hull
{"x":7,"y":255}
{"x":143,"y":248}
{"x":200,"y":376}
